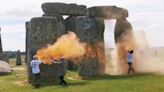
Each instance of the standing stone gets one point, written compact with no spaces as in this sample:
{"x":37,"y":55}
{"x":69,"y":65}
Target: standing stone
{"x":88,"y":67}
{"x":122,"y":28}
{"x":124,"y":42}
{"x":60,"y":21}
{"x":70,"y":23}
{"x":101,"y":57}
{"x":90,"y":31}
{"x":0,"y":43}
{"x":43,"y":31}
{"x":27,"y":39}
{"x":108,"y":12}
{"x":64,"y":9}
{"x":3,"y":56}
{"x":18,"y":58}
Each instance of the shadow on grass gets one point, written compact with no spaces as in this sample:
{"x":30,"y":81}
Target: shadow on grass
{"x":114,"y":77}
{"x":56,"y":83}
{"x":77,"y":83}
{"x":5,"y":74}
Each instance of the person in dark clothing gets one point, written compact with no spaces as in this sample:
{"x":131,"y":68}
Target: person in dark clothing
{"x":63,"y":70}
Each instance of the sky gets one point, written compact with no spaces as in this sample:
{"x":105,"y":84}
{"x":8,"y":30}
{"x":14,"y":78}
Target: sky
{"x":144,"y":16}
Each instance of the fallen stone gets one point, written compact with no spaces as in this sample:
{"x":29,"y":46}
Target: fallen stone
{"x":4,"y":68}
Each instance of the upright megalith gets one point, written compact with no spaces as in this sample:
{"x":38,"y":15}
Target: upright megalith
{"x":27,"y":25}
{"x":108,"y":12}
{"x":86,"y":28}
{"x":0,"y":43}
{"x":64,"y":9}
{"x":90,"y":30}
{"x":124,"y":42}
{"x":3,"y":56}
{"x":43,"y":31}
{"x":60,"y":22}
{"x":70,"y":23}
{"x":18,"y":58}
{"x":122,"y":28}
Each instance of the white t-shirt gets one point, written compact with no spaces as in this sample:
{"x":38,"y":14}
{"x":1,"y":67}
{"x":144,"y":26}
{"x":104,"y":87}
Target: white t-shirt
{"x":35,"y":66}
{"x":129,"y":57}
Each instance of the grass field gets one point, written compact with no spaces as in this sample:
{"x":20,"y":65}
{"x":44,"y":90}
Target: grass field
{"x":17,"y":82}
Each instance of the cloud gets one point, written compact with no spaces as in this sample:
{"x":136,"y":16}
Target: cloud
{"x":147,"y":16}
{"x":13,"y":37}
{"x":20,"y":12}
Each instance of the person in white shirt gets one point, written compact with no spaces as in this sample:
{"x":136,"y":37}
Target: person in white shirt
{"x":36,"y":70}
{"x":130,"y":61}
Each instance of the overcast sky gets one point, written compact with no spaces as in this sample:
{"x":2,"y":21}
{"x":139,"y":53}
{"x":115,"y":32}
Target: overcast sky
{"x":144,"y":16}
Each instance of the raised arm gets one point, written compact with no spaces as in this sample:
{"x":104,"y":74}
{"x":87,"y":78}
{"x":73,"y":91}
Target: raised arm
{"x":56,"y":62}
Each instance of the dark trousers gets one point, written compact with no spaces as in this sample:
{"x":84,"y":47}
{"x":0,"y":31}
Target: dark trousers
{"x":62,"y":81}
{"x":130,"y":67}
{"x":37,"y":80}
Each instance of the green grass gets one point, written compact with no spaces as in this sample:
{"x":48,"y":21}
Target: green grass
{"x":17,"y":82}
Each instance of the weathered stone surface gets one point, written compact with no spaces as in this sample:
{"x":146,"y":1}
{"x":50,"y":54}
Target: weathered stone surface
{"x":90,"y":30}
{"x":121,"y":28}
{"x":1,"y":50}
{"x":58,"y":16}
{"x":43,"y":31}
{"x":60,"y":20}
{"x":50,"y":72}
{"x":64,"y":9}
{"x":108,"y":12}
{"x":70,"y":23}
{"x":100,"y":49}
{"x":88,"y":67}
{"x":2,"y":55}
{"x":4,"y":68}
{"x":27,"y":25}
{"x":18,"y":58}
